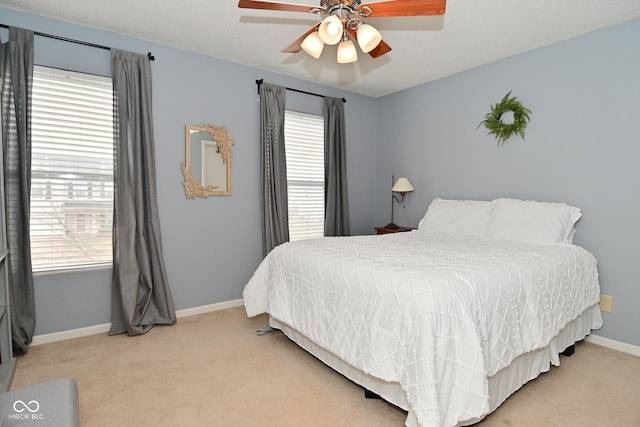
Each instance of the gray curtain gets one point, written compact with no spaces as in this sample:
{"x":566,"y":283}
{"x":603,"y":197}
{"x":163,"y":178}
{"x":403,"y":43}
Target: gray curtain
{"x":275,"y":212}
{"x":141,"y":296}
{"x":336,"y":214}
{"x":16,"y":75}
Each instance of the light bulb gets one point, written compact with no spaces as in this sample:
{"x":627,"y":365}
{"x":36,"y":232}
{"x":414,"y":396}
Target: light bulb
{"x":313,"y":45}
{"x":368,"y":38}
{"x":333,"y":28}
{"x":347,"y":52}
{"x":330,"y":30}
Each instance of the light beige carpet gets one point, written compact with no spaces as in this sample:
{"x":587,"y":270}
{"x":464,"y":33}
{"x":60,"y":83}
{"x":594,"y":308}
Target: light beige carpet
{"x":212,"y":370}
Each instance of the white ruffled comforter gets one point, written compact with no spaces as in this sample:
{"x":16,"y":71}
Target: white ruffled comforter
{"x":436,"y":314}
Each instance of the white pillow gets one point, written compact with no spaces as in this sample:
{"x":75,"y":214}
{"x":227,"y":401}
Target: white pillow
{"x":533,"y":222}
{"x":466,"y":218}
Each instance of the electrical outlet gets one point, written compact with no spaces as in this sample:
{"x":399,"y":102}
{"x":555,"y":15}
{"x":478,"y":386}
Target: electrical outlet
{"x":606,"y":303}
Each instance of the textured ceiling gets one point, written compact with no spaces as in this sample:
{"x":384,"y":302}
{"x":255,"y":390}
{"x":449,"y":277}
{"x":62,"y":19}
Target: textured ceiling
{"x":469,"y":34}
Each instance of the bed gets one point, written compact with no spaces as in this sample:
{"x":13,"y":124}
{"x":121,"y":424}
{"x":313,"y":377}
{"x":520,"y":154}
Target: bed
{"x":445,"y":321}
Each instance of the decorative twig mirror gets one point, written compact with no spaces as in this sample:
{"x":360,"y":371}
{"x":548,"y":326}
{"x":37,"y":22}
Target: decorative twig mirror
{"x":207,"y":165}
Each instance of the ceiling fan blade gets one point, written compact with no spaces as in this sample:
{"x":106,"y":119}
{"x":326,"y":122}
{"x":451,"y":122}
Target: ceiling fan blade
{"x":258,"y":4}
{"x":380,"y":50}
{"x":407,"y":8}
{"x":296,"y":45}
{"x":377,"y":51}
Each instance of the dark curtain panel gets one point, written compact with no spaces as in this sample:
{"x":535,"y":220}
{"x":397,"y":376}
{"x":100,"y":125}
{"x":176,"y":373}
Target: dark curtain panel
{"x":275,"y":212}
{"x":141,"y":296}
{"x":336,"y":214}
{"x":16,"y":74}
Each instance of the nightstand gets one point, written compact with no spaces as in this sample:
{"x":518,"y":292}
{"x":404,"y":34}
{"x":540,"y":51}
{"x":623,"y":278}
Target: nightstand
{"x":384,"y":230}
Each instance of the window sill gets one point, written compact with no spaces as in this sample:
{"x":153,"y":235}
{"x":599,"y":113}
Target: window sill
{"x":71,"y":270}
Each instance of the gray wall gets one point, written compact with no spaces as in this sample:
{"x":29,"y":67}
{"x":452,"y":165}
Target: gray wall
{"x":211,"y":246}
{"x":581,"y":148}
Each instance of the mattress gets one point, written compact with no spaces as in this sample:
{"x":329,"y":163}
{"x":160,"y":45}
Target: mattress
{"x":434,"y":315}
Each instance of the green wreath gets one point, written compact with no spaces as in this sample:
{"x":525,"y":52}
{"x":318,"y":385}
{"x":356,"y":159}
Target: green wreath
{"x":502,"y":131}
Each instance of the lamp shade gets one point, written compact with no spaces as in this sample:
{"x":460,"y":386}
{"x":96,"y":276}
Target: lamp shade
{"x":368,"y":37}
{"x":402,"y":185}
{"x":313,"y":45}
{"x":347,"y":52}
{"x":330,"y":30}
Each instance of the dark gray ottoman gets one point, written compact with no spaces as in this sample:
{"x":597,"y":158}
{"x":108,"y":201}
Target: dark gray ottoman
{"x":52,"y":403}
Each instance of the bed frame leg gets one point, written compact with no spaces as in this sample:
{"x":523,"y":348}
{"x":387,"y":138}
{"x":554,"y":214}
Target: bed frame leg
{"x":370,"y":395}
{"x":264,"y":330}
{"x":569,"y":350}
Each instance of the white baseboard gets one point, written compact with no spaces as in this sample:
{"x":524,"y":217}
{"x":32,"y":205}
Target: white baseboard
{"x":613,"y":344}
{"x":209,"y":308}
{"x":72,"y":333}
{"x":104,"y":328}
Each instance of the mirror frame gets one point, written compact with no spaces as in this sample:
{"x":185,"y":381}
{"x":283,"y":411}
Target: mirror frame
{"x":222,"y":136}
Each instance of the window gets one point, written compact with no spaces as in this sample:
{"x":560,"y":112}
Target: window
{"x":304,"y":146}
{"x":71,"y":170}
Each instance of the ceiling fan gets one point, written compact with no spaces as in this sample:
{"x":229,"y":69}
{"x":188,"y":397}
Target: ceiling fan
{"x":343,"y":22}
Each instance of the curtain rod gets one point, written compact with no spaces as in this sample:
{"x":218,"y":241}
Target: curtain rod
{"x":64,"y":39}
{"x":259,"y":82}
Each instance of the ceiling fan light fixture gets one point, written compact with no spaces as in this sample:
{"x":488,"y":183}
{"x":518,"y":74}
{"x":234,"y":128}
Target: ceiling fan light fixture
{"x":331,"y":29}
{"x":347,"y":52}
{"x":368,"y":37}
{"x":342,"y":19}
{"x":313,"y":45}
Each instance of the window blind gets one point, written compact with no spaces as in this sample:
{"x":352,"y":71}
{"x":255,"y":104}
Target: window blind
{"x":71,"y":170}
{"x":304,"y":147}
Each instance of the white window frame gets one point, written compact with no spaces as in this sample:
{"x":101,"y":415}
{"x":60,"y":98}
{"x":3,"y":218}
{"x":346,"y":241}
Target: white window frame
{"x":71,"y":170}
{"x":304,"y":146}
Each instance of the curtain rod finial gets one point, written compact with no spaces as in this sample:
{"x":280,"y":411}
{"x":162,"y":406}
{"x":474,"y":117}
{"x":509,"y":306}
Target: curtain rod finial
{"x":151,"y":57}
